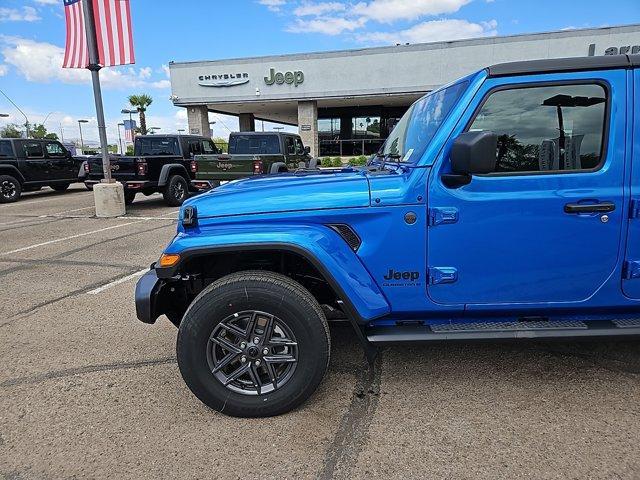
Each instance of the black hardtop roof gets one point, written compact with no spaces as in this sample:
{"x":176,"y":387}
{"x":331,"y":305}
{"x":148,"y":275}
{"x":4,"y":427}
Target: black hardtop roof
{"x":172,"y":135}
{"x":557,"y":65}
{"x":265,"y":133}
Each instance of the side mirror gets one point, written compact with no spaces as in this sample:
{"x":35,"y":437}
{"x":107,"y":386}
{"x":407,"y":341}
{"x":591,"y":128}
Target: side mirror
{"x":307,"y":150}
{"x":474,"y":152}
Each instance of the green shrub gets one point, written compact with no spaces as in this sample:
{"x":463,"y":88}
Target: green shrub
{"x":361,"y":160}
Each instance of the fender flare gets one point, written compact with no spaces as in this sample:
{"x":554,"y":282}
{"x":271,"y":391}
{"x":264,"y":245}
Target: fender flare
{"x":13,"y":171}
{"x":318,"y":244}
{"x":275,"y":168}
{"x":170,"y":168}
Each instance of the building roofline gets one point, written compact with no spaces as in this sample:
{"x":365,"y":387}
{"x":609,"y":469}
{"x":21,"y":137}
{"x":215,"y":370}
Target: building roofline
{"x":420,"y":46}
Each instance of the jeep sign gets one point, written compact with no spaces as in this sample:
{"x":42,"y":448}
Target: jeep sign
{"x":295,"y":78}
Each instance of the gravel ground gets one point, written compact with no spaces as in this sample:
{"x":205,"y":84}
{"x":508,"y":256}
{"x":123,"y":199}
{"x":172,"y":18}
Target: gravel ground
{"x":87,"y":391}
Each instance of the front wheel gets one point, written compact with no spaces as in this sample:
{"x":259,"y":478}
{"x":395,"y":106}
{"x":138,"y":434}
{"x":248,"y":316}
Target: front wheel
{"x":253,"y":344}
{"x":175,"y":193}
{"x":129,"y":197}
{"x":10,"y":189}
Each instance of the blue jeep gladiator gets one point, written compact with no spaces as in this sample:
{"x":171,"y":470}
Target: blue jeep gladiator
{"x":505,"y":205}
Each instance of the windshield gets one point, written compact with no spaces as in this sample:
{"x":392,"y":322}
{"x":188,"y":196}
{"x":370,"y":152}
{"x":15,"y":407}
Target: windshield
{"x":419,"y":124}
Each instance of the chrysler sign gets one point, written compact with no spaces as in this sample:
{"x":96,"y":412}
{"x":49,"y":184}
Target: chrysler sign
{"x":223,"y":80}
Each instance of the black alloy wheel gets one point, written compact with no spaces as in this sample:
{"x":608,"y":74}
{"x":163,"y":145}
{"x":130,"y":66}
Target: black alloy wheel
{"x":252,"y":352}
{"x":9,"y":189}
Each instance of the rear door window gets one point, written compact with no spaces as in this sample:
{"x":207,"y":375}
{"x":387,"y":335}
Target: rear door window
{"x":33,"y":149}
{"x":290,"y":145}
{"x":5,"y":149}
{"x":254,"y":145}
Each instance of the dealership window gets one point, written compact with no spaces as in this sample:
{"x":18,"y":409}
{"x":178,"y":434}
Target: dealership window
{"x":328,"y":128}
{"x":254,"y":145}
{"x":548,"y":128}
{"x":366,"y":127}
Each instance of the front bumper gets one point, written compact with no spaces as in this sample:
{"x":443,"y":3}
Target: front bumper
{"x":147,"y":290}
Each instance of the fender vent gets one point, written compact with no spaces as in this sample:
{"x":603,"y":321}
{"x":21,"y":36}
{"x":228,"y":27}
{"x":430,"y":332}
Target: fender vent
{"x":348,"y":234}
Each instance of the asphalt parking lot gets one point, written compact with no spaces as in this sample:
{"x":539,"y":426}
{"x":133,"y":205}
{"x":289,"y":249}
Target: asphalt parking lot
{"x":87,"y":391}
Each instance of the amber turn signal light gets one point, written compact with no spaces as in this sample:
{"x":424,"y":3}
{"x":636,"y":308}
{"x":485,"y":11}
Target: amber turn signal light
{"x":169,"y":259}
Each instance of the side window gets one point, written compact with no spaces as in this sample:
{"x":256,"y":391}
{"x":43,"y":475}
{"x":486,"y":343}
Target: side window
{"x":299,"y":147}
{"x":5,"y":149}
{"x":291,"y":148}
{"x":194,"y":147}
{"x":209,"y":147}
{"x":33,"y":150}
{"x":550,"y":128}
{"x":54,"y":149}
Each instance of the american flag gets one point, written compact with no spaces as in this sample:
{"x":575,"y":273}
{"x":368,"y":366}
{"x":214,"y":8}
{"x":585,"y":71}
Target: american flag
{"x":129,"y":128}
{"x":113,"y":33}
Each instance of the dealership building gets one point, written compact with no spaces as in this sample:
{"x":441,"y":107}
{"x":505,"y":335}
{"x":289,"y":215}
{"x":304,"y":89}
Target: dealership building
{"x":346,"y":102}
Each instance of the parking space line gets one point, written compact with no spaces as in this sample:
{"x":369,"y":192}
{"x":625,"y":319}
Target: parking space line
{"x":118,"y":281}
{"x":71,"y":237}
{"x":74,"y":210}
{"x":27,"y":203}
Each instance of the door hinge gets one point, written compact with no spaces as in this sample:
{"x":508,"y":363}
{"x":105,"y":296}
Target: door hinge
{"x":441,"y":215}
{"x":634,"y":208}
{"x":438,"y":275}
{"x":631,"y":269}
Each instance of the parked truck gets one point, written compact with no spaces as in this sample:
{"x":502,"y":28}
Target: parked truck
{"x":505,"y":205}
{"x":252,"y":153}
{"x":27,"y":165}
{"x":160,"y":163}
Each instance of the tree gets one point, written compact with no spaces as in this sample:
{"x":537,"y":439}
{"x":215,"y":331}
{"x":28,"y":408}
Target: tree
{"x":40,"y":131}
{"x":10,"y":131}
{"x":141,"y":102}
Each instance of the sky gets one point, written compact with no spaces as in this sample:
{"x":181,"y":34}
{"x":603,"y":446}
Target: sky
{"x":32,"y":40}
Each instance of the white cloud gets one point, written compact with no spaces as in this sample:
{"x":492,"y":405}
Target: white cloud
{"x":3,"y":70}
{"x":273,"y":5}
{"x":48,"y":2}
{"x":42,"y":62}
{"x":434,"y":31}
{"x":322,"y":8}
{"x":27,"y":14}
{"x":327,"y":25}
{"x":387,"y":11}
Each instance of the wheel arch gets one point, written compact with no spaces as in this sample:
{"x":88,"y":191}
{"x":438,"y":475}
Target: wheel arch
{"x":172,"y":169}
{"x":13,"y":171}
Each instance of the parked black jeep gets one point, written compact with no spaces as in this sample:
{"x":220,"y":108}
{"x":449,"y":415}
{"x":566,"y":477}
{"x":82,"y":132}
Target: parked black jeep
{"x":30,"y":164}
{"x":161,"y":163}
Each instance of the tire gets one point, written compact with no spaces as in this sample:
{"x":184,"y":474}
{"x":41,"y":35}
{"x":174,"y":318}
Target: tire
{"x":10,"y":189}
{"x":88,"y":187}
{"x":129,"y":197}
{"x":218,"y":312}
{"x":176,"y":191}
{"x":60,"y":187}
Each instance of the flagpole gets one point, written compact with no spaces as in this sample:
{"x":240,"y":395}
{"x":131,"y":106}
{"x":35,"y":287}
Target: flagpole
{"x":94,"y":67}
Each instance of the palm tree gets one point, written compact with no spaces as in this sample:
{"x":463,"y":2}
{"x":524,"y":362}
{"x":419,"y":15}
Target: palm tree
{"x":141,"y":102}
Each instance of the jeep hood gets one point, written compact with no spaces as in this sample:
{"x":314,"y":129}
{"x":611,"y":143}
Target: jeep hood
{"x":284,"y":192}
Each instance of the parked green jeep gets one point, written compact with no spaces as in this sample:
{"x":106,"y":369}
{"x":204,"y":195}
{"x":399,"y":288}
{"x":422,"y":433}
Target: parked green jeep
{"x":252,"y":153}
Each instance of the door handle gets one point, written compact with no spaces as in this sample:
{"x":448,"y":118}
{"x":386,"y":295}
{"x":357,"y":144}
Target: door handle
{"x":602,"y":207}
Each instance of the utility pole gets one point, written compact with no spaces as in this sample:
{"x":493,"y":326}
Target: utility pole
{"x":94,"y":67}
{"x":120,"y":138}
{"x":26,"y":120}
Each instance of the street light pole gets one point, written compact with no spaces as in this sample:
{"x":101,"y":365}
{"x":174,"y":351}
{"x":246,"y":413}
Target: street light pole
{"x":26,"y":124}
{"x":80,"y":122}
{"x":120,"y":138}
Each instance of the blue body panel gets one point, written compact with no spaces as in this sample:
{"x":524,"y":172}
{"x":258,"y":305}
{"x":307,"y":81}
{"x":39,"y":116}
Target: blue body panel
{"x":499,"y":247}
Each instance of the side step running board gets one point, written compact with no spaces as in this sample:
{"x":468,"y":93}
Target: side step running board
{"x":503,"y":330}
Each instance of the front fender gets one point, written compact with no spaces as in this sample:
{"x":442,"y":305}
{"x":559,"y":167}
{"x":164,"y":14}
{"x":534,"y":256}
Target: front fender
{"x":323,"y":247}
